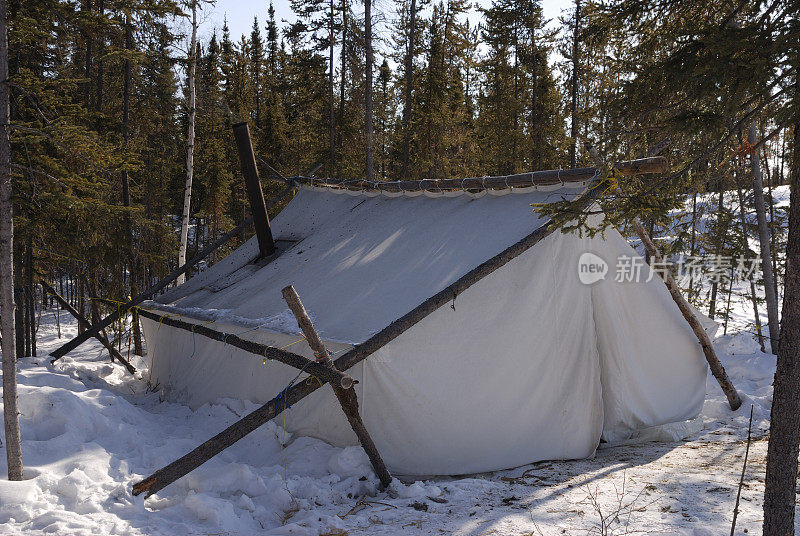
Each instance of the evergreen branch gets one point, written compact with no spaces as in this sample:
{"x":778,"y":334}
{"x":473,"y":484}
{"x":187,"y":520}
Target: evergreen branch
{"x":38,"y":172}
{"x":74,"y":153}
{"x":30,"y":98}
{"x":714,"y":148}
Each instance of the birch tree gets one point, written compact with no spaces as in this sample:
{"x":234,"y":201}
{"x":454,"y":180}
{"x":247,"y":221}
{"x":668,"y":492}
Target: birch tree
{"x":187,"y":193}
{"x":368,"y":91}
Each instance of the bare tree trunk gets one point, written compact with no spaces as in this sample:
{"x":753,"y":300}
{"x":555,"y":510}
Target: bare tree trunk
{"x":728,"y":307}
{"x":721,"y":241}
{"x":573,"y":107}
{"x":86,"y":9}
{"x":126,"y":189}
{"x":126,"y":111}
{"x":19,"y":321}
{"x":81,"y":303}
{"x":101,"y":50}
{"x":58,"y":316}
{"x":773,"y":248}
{"x":412,"y":14}
{"x":784,"y":433}
{"x":764,"y":240}
{"x":368,"y":90}
{"x":343,"y":83}
{"x":187,"y":194}
{"x":746,"y":253}
{"x":30,"y":299}
{"x":10,"y":411}
{"x":332,"y":147}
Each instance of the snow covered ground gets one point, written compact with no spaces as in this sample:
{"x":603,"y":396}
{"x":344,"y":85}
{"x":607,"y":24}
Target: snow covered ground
{"x":90,"y":431}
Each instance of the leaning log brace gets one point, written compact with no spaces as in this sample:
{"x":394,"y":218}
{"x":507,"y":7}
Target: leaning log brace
{"x":250,"y":422}
{"x":347,"y":397}
{"x":717,"y":370}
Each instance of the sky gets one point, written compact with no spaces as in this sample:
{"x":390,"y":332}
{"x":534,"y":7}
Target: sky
{"x":240,"y":13}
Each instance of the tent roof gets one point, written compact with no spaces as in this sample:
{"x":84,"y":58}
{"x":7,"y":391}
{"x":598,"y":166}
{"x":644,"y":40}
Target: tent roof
{"x":360,"y":262}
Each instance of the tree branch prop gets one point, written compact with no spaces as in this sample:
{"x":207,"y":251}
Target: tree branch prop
{"x":347,"y":397}
{"x":83,"y":321}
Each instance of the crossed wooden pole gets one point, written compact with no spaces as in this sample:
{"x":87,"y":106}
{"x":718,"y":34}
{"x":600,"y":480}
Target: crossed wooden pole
{"x":323,"y":368}
{"x":84,"y":322}
{"x":347,"y":397}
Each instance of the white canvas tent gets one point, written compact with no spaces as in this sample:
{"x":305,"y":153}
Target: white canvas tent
{"x":527,"y":364}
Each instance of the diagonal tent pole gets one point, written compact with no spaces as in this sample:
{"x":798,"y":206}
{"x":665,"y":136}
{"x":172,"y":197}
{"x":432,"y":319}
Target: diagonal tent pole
{"x":252,"y":421}
{"x":717,"y":370}
{"x":347,"y":397}
{"x":164,"y":283}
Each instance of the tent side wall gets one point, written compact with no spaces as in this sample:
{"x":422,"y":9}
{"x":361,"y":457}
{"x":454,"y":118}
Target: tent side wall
{"x":508,"y":375}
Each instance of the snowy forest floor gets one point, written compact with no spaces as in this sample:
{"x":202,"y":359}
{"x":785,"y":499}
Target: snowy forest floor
{"x":90,"y":431}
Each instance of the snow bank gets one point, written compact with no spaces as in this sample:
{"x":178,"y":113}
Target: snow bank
{"x":90,"y":431}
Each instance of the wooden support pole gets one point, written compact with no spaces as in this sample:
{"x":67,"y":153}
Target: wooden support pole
{"x":152,"y":291}
{"x":347,"y":397}
{"x":258,"y":207}
{"x":250,"y":422}
{"x":83,"y":320}
{"x":642,"y":166}
{"x":655,"y":164}
{"x":334,"y":377}
{"x":717,"y":370}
